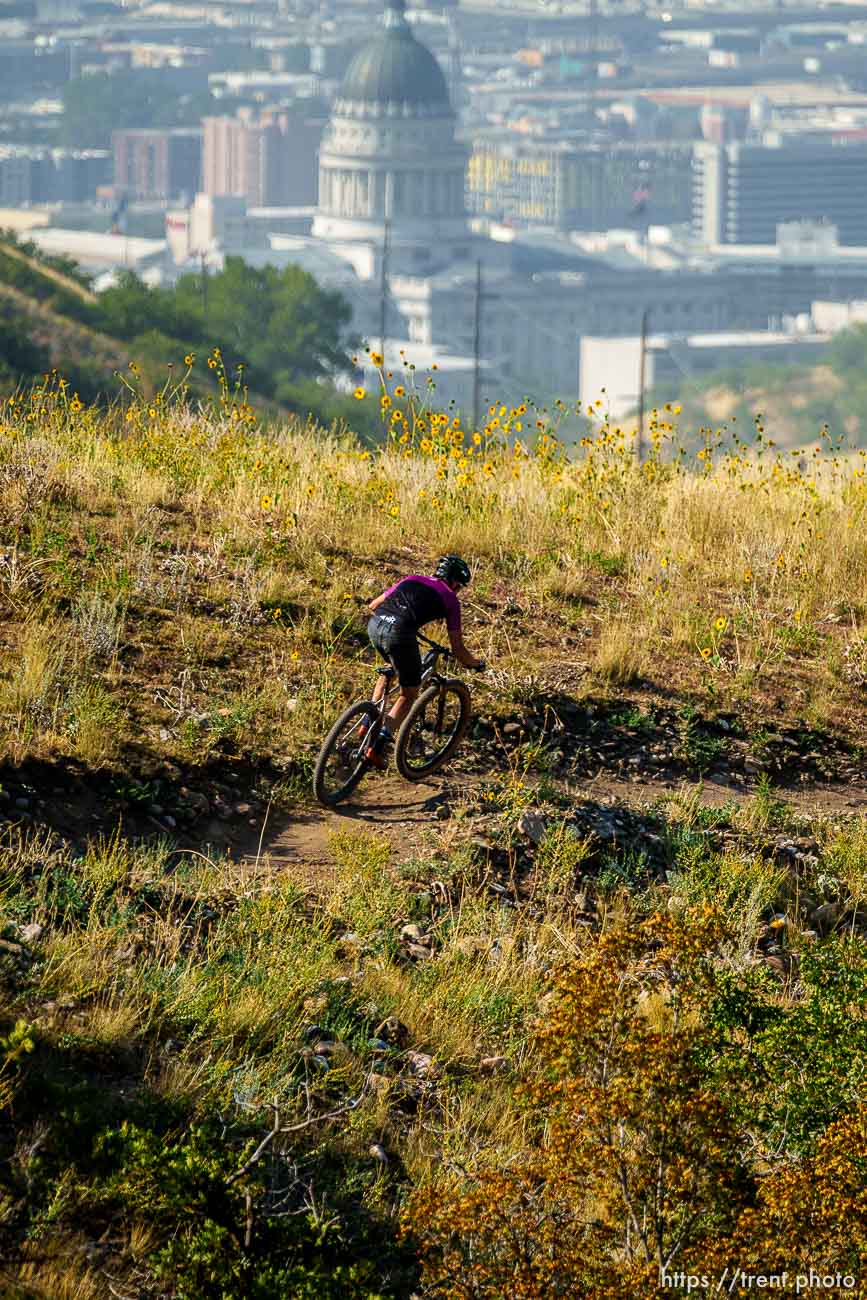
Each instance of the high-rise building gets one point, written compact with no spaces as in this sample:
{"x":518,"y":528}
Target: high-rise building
{"x":270,"y":161}
{"x":163,"y":163}
{"x":574,"y":188}
{"x":38,"y":175}
{"x":743,"y":192}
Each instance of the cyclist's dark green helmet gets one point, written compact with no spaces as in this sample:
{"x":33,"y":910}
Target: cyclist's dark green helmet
{"x":451,"y":568}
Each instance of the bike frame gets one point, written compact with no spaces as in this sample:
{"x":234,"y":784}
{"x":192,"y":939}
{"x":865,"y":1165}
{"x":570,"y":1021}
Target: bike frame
{"x":429,"y":674}
{"x":352,"y":744}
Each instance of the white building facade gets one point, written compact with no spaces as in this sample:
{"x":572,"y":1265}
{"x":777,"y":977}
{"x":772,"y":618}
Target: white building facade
{"x":389,"y":159}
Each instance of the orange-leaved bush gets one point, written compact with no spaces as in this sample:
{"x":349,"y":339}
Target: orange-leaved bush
{"x":638,"y":1159}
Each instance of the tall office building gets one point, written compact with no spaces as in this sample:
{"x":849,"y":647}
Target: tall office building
{"x":742,"y":192}
{"x":577,"y":188}
{"x":270,"y":161}
{"x":157,"y":163}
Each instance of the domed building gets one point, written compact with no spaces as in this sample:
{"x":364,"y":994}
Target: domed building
{"x":389,"y":156}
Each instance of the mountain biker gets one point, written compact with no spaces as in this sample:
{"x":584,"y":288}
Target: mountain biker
{"x":396,"y":617}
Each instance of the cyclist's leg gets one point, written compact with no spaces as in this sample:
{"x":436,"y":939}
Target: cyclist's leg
{"x":379,"y":640}
{"x":407,"y":662}
{"x":406,"y":657}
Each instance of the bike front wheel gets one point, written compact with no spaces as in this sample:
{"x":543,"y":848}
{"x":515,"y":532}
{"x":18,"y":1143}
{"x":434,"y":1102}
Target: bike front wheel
{"x":342,"y":763}
{"x":432,"y":730}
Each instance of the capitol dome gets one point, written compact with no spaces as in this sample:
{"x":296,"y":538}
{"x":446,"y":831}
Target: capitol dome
{"x":395,"y":69}
{"x":389,"y":159}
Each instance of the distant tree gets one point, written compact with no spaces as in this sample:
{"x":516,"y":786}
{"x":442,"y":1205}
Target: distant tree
{"x":279,"y":323}
{"x":21,"y":358}
{"x":131,"y":308}
{"x":848,"y":351}
{"x":95,"y":106}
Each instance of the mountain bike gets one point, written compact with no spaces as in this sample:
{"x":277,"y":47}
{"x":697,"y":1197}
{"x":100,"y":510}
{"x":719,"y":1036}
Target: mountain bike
{"x":428,"y":736}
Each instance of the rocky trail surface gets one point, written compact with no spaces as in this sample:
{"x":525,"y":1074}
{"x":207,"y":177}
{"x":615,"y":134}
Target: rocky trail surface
{"x":604,"y":770}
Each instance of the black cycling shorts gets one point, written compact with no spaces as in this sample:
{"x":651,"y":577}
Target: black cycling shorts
{"x":397,"y":644}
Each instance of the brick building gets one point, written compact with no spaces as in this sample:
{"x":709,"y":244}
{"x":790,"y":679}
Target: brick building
{"x":270,"y":161}
{"x":157,"y":164}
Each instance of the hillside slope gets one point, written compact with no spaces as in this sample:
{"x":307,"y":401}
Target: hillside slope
{"x":796,"y":405}
{"x":250,"y":1048}
{"x":62,"y":338}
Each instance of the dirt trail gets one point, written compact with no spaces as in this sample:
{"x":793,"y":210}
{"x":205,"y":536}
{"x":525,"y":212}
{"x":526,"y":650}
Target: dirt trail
{"x":407,"y":814}
{"x":385,"y":805}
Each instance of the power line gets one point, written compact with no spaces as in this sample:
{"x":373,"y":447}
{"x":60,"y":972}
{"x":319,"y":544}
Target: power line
{"x":642,"y":383}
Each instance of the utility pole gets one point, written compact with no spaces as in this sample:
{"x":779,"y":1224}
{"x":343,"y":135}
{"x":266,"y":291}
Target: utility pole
{"x":383,"y":288}
{"x":642,"y":383}
{"x":477,"y":346}
{"x":593,"y":46}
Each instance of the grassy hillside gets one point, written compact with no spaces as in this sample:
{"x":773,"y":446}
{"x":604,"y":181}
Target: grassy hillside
{"x":796,"y":402}
{"x":289,"y":338}
{"x":586,"y":1011}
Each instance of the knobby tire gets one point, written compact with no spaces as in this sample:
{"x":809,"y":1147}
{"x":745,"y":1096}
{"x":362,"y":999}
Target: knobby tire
{"x":416,"y":772}
{"x":327,"y":797}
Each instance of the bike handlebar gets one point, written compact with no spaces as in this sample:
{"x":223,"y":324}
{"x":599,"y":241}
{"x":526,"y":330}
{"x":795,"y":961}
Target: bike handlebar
{"x":434,"y":645}
{"x":449,"y":654}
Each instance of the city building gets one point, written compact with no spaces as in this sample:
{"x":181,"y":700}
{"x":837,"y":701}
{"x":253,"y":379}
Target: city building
{"x":611,"y":368}
{"x":570,"y":188}
{"x":96,"y":252}
{"x":390,"y":157}
{"x":437,"y":263}
{"x":270,"y":161}
{"x":157,"y":164}
{"x":29,"y":176}
{"x":742,"y":192}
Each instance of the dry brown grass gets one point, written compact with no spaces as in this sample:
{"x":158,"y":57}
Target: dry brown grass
{"x":190,"y":556}
{"x":620,"y":657}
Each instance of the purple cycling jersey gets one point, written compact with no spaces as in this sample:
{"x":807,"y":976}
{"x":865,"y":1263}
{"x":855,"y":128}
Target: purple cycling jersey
{"x":418,"y":600}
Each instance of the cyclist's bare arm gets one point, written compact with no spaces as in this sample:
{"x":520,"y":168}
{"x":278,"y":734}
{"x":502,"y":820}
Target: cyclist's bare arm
{"x":375,"y":604}
{"x":462,"y":654}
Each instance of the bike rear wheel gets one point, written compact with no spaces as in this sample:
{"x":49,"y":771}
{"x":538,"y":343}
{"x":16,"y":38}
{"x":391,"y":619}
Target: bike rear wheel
{"x":342,"y":763}
{"x":432,"y":730}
